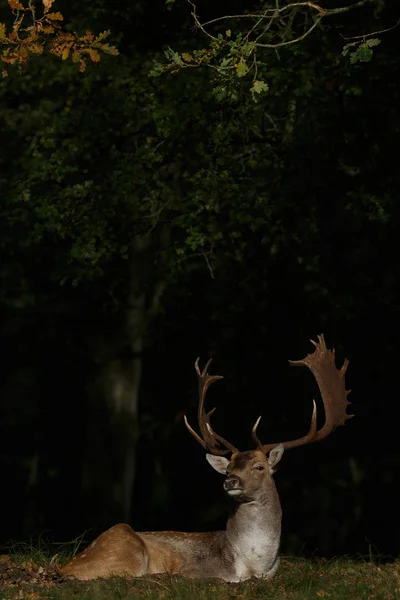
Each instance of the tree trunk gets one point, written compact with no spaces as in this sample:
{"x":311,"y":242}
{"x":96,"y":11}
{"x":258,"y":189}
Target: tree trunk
{"x":109,"y":471}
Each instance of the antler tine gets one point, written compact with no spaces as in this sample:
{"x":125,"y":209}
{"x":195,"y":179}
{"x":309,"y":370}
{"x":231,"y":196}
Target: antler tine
{"x":230,"y":447}
{"x":254,"y":434}
{"x":194,"y":434}
{"x":306,"y":439}
{"x":210,"y":440}
{"x":331,"y":383}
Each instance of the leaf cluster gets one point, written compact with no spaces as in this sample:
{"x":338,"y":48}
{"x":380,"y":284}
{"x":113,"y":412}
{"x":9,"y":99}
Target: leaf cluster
{"x":239,"y":45}
{"x":36,"y":28}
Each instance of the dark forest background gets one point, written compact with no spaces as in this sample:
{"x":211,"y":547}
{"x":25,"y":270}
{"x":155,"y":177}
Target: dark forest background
{"x":146,"y":221}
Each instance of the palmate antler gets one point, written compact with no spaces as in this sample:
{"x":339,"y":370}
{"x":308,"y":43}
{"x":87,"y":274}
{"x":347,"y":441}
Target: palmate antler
{"x":331,"y":383}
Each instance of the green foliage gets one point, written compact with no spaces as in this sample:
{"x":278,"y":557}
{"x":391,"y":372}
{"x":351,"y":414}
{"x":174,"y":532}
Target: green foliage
{"x":361,"y":52}
{"x":137,"y":163}
{"x":258,"y":88}
{"x":255,"y":35}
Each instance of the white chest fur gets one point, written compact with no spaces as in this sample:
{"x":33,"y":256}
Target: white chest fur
{"x":256,"y":555}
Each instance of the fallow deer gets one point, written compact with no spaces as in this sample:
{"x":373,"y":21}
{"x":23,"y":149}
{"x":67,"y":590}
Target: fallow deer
{"x":250,"y":544}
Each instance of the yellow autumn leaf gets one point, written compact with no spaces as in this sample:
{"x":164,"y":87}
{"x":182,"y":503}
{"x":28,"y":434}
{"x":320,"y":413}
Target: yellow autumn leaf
{"x":48,"y":29}
{"x":35,"y":48}
{"x":15,"y":5}
{"x":8,"y":59}
{"x":88,"y":37}
{"x":107,"y":49}
{"x":47,"y":5}
{"x":187,"y":57}
{"x":102,"y":36}
{"x":76,"y":56}
{"x":2,"y":31}
{"x":94,"y":55}
{"x":65,"y":38}
{"x":57,"y":16}
{"x":65,"y":53}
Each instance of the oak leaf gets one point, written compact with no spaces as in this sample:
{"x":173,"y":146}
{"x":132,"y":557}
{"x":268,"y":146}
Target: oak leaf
{"x":56,"y":16}
{"x":35,"y":48}
{"x":65,"y":53}
{"x":47,"y":5}
{"x":107,"y":49}
{"x":15,"y":5}
{"x":94,"y":55}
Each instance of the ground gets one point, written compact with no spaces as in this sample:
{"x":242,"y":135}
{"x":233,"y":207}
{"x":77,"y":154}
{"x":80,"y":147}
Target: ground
{"x":23,"y":577}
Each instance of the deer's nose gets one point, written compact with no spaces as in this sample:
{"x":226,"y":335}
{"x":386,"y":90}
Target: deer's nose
{"x":231,"y":483}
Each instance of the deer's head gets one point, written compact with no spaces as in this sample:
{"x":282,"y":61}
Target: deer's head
{"x":249,"y":474}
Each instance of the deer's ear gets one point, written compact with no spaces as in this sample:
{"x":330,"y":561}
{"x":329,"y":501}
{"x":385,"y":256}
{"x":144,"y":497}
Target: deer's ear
{"x":275,"y":456}
{"x":219,"y":463}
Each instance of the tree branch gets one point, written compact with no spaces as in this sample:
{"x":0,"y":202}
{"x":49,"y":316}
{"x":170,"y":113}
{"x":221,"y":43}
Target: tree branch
{"x":366,"y":35}
{"x":274,"y":12}
{"x":295,"y":40}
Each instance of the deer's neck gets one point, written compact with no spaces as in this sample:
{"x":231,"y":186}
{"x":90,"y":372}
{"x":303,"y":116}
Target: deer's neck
{"x":253,"y":536}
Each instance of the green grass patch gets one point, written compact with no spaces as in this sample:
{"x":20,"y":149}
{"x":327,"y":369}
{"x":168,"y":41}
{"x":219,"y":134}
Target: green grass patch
{"x":21,"y":577}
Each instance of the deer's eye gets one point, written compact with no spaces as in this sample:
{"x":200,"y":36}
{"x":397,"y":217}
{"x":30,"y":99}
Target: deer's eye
{"x":259,"y":468}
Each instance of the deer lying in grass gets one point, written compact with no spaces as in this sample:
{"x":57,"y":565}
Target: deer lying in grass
{"x":250,"y":544}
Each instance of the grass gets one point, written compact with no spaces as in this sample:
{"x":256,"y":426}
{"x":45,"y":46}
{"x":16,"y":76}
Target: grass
{"x":28,"y":573}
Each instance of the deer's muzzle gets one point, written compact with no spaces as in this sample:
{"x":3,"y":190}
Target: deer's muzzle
{"x":232,"y":485}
